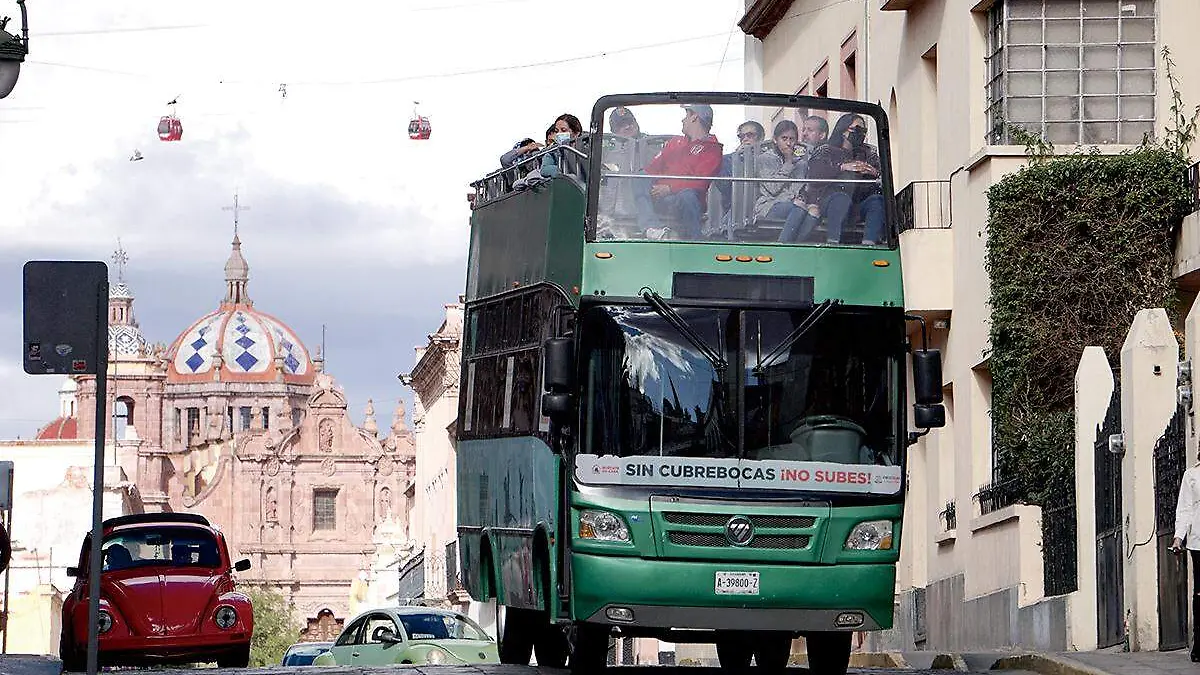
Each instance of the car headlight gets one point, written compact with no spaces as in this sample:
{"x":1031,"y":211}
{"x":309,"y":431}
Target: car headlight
{"x":104,"y":622}
{"x":602,"y":526}
{"x":225,"y":617}
{"x":435,"y":657}
{"x":873,"y":535}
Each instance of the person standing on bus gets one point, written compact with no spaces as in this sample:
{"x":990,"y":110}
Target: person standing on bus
{"x":696,"y":153}
{"x":847,"y":156}
{"x":567,"y":128}
{"x":1187,"y":534}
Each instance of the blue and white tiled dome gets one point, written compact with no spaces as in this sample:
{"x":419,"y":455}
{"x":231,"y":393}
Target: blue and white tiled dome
{"x":248,"y":342}
{"x":245,"y":344}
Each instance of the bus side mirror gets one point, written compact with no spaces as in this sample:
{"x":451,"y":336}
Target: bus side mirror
{"x":927,"y":376}
{"x":929,"y":416}
{"x":72,"y":571}
{"x":558,"y":362}
{"x":242,"y":565}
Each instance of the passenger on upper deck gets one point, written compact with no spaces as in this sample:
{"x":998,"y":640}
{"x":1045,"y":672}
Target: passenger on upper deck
{"x":519,"y":151}
{"x":749,"y":134}
{"x":695,"y":153}
{"x":781,"y":200}
{"x":812,"y":136}
{"x":621,"y":122}
{"x":848,"y":156}
{"x":567,"y":128}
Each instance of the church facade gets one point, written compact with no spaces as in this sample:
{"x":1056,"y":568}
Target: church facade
{"x":238,"y":421}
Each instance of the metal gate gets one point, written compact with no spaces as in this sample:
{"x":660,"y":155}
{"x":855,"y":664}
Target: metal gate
{"x":1110,"y":607}
{"x":1170,"y":461}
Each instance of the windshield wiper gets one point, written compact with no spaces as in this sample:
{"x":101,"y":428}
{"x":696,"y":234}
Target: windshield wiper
{"x":667,"y":312}
{"x":786,"y":343}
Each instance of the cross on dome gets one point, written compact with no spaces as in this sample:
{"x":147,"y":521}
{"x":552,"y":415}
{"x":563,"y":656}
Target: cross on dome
{"x":120,"y":258}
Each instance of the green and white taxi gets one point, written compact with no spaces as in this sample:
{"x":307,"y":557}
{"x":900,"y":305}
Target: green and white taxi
{"x":416,"y":635}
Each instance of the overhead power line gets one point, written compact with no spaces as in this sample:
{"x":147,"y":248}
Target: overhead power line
{"x":106,"y":31}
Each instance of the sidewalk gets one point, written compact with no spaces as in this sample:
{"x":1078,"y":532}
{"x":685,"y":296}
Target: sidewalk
{"x":24,"y":664}
{"x":1103,"y":663}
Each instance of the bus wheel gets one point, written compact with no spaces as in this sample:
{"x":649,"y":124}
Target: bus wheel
{"x":552,"y":646}
{"x":517,"y":634}
{"x":734,"y":654}
{"x":828,"y":653}
{"x":589,"y":648}
{"x":772,"y":652}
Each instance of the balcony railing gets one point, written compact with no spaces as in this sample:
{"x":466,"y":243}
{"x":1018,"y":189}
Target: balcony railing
{"x":949,"y":517}
{"x":997,"y":495}
{"x":924,"y":205}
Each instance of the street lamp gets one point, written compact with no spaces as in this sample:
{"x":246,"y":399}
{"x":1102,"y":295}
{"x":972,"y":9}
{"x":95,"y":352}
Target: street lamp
{"x":12,"y":52}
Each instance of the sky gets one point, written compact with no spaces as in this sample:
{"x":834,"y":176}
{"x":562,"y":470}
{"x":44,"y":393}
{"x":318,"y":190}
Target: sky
{"x":350,"y":224}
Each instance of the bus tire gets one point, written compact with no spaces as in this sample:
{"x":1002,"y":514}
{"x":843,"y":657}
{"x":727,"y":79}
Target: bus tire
{"x":829,"y":653}
{"x":734,"y":654}
{"x":772,"y":652}
{"x":589,"y":648}
{"x":517,"y":635}
{"x":552,"y":647}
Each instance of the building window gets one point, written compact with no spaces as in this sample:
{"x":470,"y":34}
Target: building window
{"x":1071,"y":71}
{"x":193,"y":423}
{"x":820,"y":80}
{"x":297,"y":416}
{"x":325,"y":509}
{"x":266,"y":415}
{"x":178,"y":424}
{"x":244,"y":414}
{"x":850,"y":67}
{"x":122,"y":417}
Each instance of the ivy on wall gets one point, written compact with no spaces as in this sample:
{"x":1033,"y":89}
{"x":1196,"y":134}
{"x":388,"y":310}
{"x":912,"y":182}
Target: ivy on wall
{"x":1077,"y":245}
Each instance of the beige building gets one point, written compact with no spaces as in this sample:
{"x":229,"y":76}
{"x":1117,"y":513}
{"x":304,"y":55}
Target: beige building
{"x":949,"y":73}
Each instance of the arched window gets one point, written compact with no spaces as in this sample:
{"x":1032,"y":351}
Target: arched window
{"x":122,"y":417}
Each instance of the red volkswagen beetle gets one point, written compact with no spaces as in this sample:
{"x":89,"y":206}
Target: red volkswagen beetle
{"x":166,"y":596}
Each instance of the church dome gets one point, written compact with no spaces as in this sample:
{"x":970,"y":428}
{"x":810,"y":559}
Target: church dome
{"x":240,"y":341}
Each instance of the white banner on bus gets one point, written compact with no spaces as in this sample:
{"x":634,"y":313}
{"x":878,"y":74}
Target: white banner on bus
{"x":737,"y":473}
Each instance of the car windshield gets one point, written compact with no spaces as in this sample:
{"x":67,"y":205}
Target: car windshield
{"x":797,"y":174}
{"x":813,"y":385}
{"x":169,"y":546}
{"x":438,"y":626}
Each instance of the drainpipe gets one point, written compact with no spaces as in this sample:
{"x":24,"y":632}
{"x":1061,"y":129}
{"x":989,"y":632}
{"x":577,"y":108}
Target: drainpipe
{"x":866,"y":50}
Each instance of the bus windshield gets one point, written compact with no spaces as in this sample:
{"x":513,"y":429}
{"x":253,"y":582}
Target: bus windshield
{"x":801,"y":175}
{"x":819,"y":394}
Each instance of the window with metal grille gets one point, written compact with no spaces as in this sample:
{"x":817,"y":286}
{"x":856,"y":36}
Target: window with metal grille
{"x":324,"y":509}
{"x":1071,"y":71}
{"x":244,"y":412}
{"x":266,"y":417}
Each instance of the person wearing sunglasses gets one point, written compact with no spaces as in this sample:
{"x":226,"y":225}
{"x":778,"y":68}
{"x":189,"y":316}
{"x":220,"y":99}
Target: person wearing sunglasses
{"x":750,"y":134}
{"x":847,"y":156}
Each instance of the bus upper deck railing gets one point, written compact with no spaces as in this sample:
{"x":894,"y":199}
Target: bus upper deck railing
{"x":569,"y":160}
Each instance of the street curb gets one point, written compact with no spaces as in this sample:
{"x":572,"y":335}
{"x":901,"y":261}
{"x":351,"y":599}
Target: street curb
{"x":1046,"y":665}
{"x":877,"y":660}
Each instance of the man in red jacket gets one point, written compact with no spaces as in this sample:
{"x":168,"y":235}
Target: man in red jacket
{"x":696,"y":153}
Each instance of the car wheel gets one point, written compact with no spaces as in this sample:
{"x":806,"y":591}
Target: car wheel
{"x":71,"y":661}
{"x":240,"y":658}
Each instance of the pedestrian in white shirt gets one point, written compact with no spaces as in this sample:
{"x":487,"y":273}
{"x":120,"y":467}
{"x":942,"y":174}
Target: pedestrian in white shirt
{"x":1187,"y":532}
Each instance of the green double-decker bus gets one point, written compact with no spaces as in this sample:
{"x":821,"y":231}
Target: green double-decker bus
{"x":684,"y":401}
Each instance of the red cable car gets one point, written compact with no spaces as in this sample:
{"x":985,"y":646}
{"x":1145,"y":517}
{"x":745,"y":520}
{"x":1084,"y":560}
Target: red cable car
{"x":169,"y":126}
{"x":419,"y":128}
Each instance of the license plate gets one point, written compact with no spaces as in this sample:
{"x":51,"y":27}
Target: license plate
{"x":737,"y":583}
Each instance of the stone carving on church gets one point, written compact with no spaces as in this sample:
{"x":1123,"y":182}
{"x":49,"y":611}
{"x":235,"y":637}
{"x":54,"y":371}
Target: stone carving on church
{"x":272,"y":466}
{"x":386,"y":466}
{"x":271,"y":510}
{"x":328,"y":466}
{"x":385,"y":503}
{"x":325,"y":435}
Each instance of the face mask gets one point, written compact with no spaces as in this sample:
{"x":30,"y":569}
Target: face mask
{"x":563,"y":137}
{"x":858,"y":136}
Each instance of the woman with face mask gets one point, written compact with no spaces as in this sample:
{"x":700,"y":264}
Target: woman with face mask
{"x":783,"y":157}
{"x":566,"y":129}
{"x":847,"y":156}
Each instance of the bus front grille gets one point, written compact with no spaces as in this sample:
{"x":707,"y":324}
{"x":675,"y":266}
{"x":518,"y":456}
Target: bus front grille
{"x":762,"y":541}
{"x":719,"y":520}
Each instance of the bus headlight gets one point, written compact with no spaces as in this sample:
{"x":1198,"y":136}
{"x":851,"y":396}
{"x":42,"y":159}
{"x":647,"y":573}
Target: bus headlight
{"x":104,"y":622}
{"x":225,"y":617}
{"x":873,"y":535}
{"x":602,"y":526}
